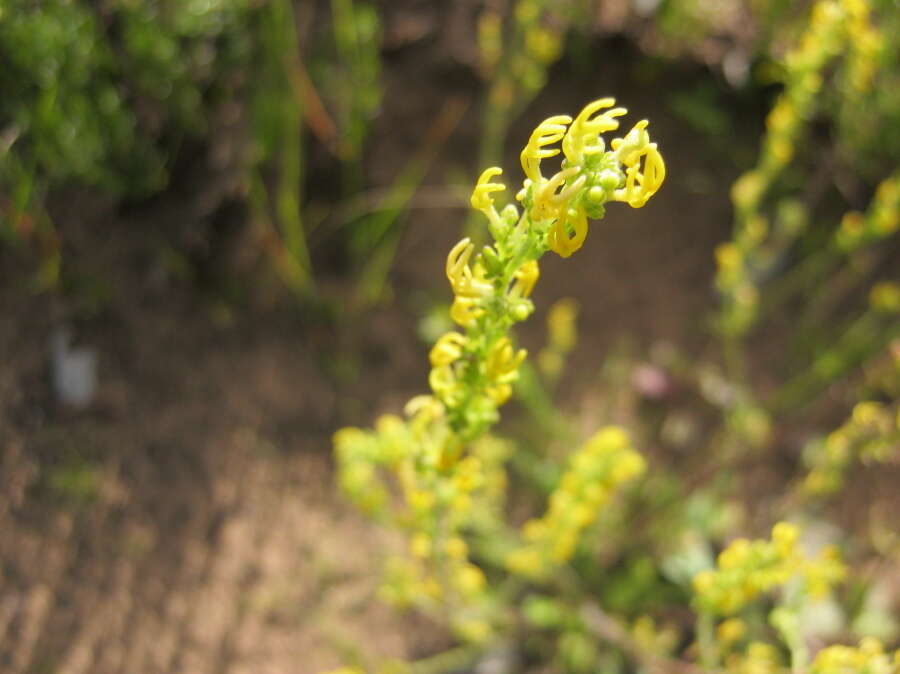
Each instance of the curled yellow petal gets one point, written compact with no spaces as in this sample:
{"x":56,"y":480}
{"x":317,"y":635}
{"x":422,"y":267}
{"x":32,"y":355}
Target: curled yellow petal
{"x":583,"y":136}
{"x":481,"y":196}
{"x":551,"y":195}
{"x":559,"y":240}
{"x":525,"y":277}
{"x":641,"y":185}
{"x":548,"y":132}
{"x":633,"y":144}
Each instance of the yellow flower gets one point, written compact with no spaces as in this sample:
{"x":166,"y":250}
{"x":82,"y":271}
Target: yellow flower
{"x":456,"y":548}
{"x":447,"y":349}
{"x":503,"y":361}
{"x":885,"y":297}
{"x":445,"y":385}
{"x":465,"y":311}
{"x":559,"y":240}
{"x":420,"y":545}
{"x":481,"y":196}
{"x":543,"y":45}
{"x":464,"y":282}
{"x":550,"y":196}
{"x":640,"y":185}
{"x":731,"y":630}
{"x":525,"y":279}
{"x":470,"y":579}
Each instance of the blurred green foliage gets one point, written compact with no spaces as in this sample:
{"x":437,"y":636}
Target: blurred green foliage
{"x":101,"y":95}
{"x":89,"y":93}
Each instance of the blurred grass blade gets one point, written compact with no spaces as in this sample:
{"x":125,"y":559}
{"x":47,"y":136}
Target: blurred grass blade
{"x":379,"y":232}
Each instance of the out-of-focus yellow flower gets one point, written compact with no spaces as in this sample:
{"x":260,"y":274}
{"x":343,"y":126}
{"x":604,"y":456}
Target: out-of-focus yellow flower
{"x":470,"y":579}
{"x":872,"y":433}
{"x":595,"y":471}
{"x":474,"y":630}
{"x":731,"y":631}
{"x":885,"y":297}
{"x":456,"y":548}
{"x":561,"y":323}
{"x":544,"y":45}
{"x":525,"y":279}
{"x":420,"y":545}
{"x":760,"y":658}
{"x":868,"y":658}
{"x":728,"y":257}
{"x":490,"y":39}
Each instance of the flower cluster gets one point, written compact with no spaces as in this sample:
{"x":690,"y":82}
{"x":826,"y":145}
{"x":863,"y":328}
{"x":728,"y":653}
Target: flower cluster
{"x":759,"y":658}
{"x":880,"y":220}
{"x":533,"y":44}
{"x":866,"y":99}
{"x":868,"y":658}
{"x":865,"y":46}
{"x":589,"y":176}
{"x":833,"y":27}
{"x":871,"y":434}
{"x":747,"y":569}
{"x":595,"y":472}
{"x":433,"y":509}
{"x":472,"y":373}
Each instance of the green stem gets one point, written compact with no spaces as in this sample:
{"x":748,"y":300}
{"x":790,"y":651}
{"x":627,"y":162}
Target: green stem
{"x":706,"y":641}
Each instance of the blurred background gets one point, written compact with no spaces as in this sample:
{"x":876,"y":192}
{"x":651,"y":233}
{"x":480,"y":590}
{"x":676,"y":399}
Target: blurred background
{"x":223,"y":226}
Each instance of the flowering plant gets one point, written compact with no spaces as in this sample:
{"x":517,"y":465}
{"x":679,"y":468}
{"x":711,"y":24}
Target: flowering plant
{"x":449,"y":470}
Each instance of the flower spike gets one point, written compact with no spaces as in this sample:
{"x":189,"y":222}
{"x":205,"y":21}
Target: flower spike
{"x":446,"y":471}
